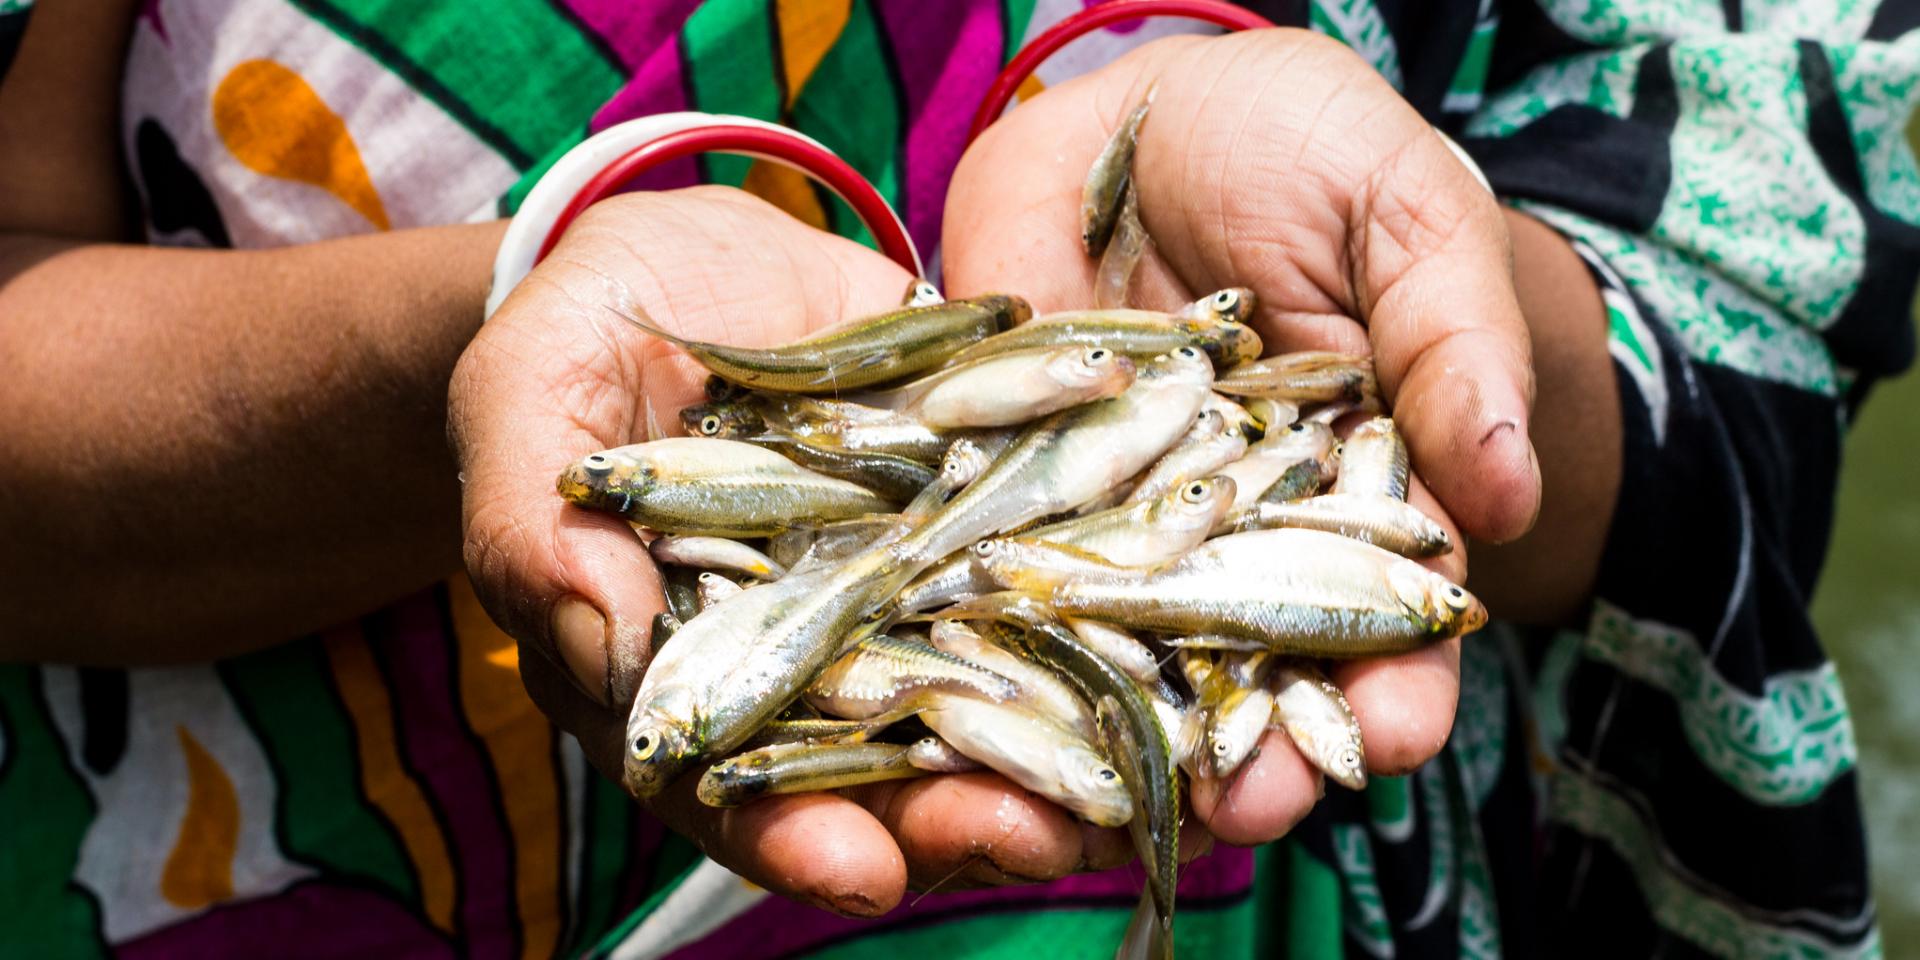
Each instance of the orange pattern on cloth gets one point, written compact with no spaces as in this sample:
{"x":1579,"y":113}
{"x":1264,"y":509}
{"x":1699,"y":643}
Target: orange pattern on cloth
{"x":519,"y":741}
{"x":273,"y":121}
{"x":788,"y":189}
{"x":808,"y":29}
{"x":199,"y":871}
{"x":385,"y":782}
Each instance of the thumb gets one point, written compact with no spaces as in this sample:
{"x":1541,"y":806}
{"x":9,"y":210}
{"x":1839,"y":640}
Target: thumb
{"x":577,"y":586}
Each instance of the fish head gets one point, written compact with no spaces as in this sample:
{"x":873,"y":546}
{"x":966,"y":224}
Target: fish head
{"x":1099,"y":370}
{"x":1008,"y":310}
{"x":952,"y":636}
{"x":1336,"y":753}
{"x":1178,"y":369}
{"x":1236,"y":416}
{"x":1027,"y":565}
{"x":1218,"y":324}
{"x":1094,"y":789}
{"x":1348,"y":766}
{"x":735,"y":781}
{"x":609,"y":480}
{"x":921,"y":293}
{"x":1207,"y":424}
{"x":1465,"y":610}
{"x":730,"y":419}
{"x":1431,"y":539}
{"x":1445,"y":607}
{"x":1301,"y":440}
{"x":964,"y":462}
{"x":1195,"y":507}
{"x":661,"y":743}
{"x":1227,"y":749}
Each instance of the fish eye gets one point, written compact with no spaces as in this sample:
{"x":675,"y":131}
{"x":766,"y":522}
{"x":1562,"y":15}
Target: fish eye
{"x":1350,"y":758}
{"x":1195,"y":492}
{"x":597,"y":464}
{"x":645,"y":744}
{"x":1107,"y":774}
{"x":951,"y":466}
{"x":709,"y":424}
{"x":1189,"y":353}
{"x":1296,"y":427}
{"x":1221,"y":748}
{"x":984,"y":548}
{"x":1098,"y":355}
{"x":1225,"y":299}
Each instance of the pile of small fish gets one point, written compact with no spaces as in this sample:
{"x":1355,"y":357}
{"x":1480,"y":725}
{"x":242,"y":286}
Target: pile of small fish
{"x":1088,"y":550}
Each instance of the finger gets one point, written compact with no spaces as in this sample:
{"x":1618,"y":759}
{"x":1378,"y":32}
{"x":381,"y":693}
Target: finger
{"x":1258,"y":174}
{"x":1290,"y":331}
{"x":1013,"y":210}
{"x":1450,"y":344}
{"x":1103,"y":848}
{"x":1404,"y":704}
{"x":818,"y":848}
{"x":976,"y":827}
{"x":555,"y":375}
{"x":1261,"y":801}
{"x":1453,"y":563}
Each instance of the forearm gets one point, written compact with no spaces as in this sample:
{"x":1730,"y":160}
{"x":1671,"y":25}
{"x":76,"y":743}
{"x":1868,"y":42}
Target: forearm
{"x":205,"y":452}
{"x":1547,"y":576}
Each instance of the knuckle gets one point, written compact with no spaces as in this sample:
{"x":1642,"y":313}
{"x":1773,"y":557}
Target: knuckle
{"x":502,"y":552}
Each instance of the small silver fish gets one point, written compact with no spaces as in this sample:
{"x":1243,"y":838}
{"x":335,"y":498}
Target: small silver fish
{"x":716,"y":553}
{"x":715,"y":588}
{"x":1315,"y":714}
{"x":707,"y":487}
{"x":1009,"y":388}
{"x":935,"y":755}
{"x":802,"y":768}
{"x":1208,"y":446}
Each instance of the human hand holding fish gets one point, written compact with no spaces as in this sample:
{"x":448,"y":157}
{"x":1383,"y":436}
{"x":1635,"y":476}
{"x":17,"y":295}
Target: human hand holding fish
{"x":1280,"y":161}
{"x":555,"y":373}
{"x":800,"y":438}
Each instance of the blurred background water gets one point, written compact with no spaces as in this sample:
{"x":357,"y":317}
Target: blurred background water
{"x":1867,"y":607}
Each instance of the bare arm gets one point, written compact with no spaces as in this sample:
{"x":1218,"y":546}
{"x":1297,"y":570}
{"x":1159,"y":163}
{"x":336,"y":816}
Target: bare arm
{"x":204,"y":452}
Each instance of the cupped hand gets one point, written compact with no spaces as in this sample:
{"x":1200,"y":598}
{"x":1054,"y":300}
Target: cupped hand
{"x":556,"y":375}
{"x":1278,"y":160}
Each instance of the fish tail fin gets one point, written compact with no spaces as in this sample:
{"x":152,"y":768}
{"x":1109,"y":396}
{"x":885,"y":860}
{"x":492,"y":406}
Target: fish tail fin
{"x":654,"y":430}
{"x":639,"y":318}
{"x":1148,"y":936}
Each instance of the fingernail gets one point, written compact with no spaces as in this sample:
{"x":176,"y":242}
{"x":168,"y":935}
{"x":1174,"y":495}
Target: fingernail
{"x":580,"y":632}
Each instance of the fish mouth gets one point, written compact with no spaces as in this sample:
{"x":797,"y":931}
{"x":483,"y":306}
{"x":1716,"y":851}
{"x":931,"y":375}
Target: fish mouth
{"x":573,"y":486}
{"x":1474,"y":618}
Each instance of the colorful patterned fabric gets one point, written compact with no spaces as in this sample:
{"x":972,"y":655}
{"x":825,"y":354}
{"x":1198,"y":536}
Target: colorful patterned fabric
{"x":1675,"y":779}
